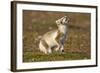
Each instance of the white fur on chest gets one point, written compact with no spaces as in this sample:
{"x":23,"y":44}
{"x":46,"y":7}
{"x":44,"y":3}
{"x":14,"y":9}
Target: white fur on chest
{"x":62,"y":28}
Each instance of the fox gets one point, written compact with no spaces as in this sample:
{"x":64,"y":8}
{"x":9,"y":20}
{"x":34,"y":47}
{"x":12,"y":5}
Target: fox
{"x":55,"y":39}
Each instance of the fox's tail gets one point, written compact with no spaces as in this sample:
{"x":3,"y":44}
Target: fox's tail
{"x":42,"y":47}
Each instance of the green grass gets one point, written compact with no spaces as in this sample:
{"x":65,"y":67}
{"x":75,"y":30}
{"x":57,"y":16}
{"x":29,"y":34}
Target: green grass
{"x":31,"y":57}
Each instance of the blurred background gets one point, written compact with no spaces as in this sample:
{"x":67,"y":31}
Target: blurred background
{"x":37,"y":23}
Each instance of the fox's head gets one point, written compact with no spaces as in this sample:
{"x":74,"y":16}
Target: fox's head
{"x":62,"y":21}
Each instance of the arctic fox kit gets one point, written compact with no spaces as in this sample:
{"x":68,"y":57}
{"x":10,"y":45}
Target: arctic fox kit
{"x":54,"y":39}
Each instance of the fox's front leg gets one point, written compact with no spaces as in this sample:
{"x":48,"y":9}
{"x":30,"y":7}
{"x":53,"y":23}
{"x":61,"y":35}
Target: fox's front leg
{"x":57,"y":46}
{"x":62,"y":41}
{"x":62,"y":48}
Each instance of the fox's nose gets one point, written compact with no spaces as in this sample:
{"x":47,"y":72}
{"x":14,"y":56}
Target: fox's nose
{"x":62,"y":50}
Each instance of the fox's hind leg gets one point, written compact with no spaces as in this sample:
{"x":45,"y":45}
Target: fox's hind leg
{"x":49,"y":50}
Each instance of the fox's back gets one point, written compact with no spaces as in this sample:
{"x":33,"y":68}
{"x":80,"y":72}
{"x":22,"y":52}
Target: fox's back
{"x":51,"y":34}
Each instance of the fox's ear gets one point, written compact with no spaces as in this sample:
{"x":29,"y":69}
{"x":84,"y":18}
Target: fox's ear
{"x":66,"y":19}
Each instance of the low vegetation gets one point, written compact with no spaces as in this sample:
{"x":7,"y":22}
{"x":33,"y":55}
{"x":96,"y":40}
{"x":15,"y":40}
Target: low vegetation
{"x":77,"y":45}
